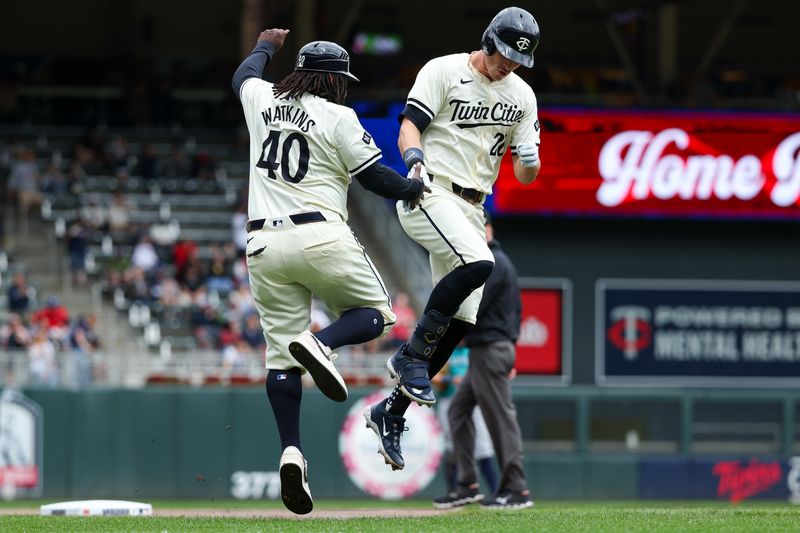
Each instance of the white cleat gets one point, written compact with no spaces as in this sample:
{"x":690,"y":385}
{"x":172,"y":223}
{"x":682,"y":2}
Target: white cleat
{"x":295,"y":493}
{"x":318,"y":360}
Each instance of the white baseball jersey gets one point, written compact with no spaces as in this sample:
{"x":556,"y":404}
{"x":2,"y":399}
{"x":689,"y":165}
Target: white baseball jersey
{"x":303,"y":152}
{"x":473,"y":120}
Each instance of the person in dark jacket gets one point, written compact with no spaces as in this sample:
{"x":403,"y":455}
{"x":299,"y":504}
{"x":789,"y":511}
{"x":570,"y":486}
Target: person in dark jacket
{"x":487,"y":384}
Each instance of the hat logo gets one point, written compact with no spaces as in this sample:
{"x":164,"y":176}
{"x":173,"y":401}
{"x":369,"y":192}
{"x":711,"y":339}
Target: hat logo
{"x":523,"y":43}
{"x":301,"y":60}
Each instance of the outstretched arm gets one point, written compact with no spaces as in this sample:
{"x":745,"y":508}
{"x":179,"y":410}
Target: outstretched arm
{"x":382,"y":180}
{"x":269,"y":42}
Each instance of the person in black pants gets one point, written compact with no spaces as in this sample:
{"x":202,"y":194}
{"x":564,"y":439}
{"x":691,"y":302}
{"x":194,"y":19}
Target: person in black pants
{"x":487,"y":384}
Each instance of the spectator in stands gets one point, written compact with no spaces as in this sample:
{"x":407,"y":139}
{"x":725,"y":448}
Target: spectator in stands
{"x":204,"y":167}
{"x":54,"y":183}
{"x":177,"y":164}
{"x":406,"y":320}
{"x":194,"y":277}
{"x":23,"y":183}
{"x":14,"y":335}
{"x":75,"y":176}
{"x":206,"y":325}
{"x":229,"y":333}
{"x":240,"y":302}
{"x":164,"y":234}
{"x":238,"y":232}
{"x":42,"y":360}
{"x":84,"y":342}
{"x":220,"y":273}
{"x":183,"y":253}
{"x":19,"y":300}
{"x":237,"y":357}
{"x":95,"y":213}
{"x":148,"y":165}
{"x":119,"y":156}
{"x":252,"y":333}
{"x":54,"y":317}
{"x":90,"y":153}
{"x":77,"y":247}
{"x":166,"y":291}
{"x":144,"y":255}
{"x":119,"y":213}
{"x":136,"y":286}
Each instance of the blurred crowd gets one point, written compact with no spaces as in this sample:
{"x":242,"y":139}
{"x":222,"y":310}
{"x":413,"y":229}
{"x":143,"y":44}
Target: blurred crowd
{"x":47,"y":341}
{"x":193,"y":290}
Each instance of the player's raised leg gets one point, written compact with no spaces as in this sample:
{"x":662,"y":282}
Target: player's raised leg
{"x":452,"y":232}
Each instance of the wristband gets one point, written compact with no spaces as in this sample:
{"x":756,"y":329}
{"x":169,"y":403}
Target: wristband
{"x":412,"y":156}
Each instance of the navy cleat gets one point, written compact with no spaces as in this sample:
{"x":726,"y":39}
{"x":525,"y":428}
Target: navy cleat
{"x":388,"y":428}
{"x":412,"y":374}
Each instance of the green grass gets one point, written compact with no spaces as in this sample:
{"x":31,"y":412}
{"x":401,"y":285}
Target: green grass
{"x":716,"y":517}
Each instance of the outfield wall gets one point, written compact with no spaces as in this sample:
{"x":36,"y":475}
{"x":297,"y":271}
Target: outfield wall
{"x":219,"y":443}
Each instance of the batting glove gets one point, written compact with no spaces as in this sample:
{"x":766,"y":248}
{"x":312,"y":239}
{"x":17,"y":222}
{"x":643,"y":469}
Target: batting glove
{"x":528,"y":154}
{"x":423,"y":174}
{"x":418,"y":172}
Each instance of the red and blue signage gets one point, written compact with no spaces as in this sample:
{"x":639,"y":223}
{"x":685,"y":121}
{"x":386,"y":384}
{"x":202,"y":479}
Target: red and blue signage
{"x":662,"y":164}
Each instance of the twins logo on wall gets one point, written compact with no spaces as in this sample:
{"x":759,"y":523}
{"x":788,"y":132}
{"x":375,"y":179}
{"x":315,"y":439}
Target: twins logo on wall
{"x":697,"y":332}
{"x":21,"y":424}
{"x":708,"y":477}
{"x":358,"y":448}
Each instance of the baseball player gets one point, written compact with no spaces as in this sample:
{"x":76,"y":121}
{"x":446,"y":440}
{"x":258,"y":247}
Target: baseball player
{"x":462,"y":114}
{"x":304,"y":148}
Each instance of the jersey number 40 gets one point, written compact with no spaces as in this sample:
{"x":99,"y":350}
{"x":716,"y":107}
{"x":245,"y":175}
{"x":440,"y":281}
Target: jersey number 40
{"x":269,"y":156}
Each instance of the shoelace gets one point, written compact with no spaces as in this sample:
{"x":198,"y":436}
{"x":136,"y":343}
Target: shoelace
{"x":397,"y":428}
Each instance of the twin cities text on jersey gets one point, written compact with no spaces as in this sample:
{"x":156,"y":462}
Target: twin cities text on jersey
{"x":288,"y":113}
{"x":501,"y":113}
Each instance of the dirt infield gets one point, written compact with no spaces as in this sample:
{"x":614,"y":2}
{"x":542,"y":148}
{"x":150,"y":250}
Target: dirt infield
{"x":258,"y":513}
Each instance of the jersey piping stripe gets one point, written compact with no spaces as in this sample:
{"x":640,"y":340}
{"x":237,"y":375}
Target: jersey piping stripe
{"x":374,"y":272}
{"x":365,"y":164}
{"x":442,"y":236}
{"x":420,"y":105}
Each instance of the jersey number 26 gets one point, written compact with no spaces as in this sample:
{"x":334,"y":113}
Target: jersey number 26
{"x":269,"y":156}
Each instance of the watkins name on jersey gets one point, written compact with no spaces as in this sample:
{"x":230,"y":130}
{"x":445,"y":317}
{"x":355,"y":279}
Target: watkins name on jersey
{"x":288,"y":113}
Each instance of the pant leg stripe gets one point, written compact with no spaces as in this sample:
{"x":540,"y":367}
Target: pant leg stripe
{"x":442,"y":236}
{"x":372,"y":267}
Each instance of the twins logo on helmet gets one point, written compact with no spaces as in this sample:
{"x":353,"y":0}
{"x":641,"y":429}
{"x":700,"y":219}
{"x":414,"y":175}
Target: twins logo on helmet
{"x":514,"y":33}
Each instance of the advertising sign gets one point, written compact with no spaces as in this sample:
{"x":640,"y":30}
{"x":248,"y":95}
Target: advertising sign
{"x":21,"y":438}
{"x":720,"y":478}
{"x":544,"y":343}
{"x":659,"y":163}
{"x":366,"y":468}
{"x":673,"y":332}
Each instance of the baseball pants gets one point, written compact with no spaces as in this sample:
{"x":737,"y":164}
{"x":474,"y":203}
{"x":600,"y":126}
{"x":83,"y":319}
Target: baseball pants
{"x":486,"y":384}
{"x":453,"y":232}
{"x":287,"y":263}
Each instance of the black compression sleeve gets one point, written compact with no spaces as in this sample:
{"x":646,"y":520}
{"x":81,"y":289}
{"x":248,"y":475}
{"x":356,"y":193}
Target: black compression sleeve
{"x":384,"y":181}
{"x":253,"y":65}
{"x":420,"y":119}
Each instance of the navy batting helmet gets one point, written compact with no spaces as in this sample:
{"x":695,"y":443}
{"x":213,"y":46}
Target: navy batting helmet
{"x":324,"y":56}
{"x":514,"y":33}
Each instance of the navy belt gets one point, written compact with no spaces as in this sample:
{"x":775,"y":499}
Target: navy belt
{"x":299,"y":218}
